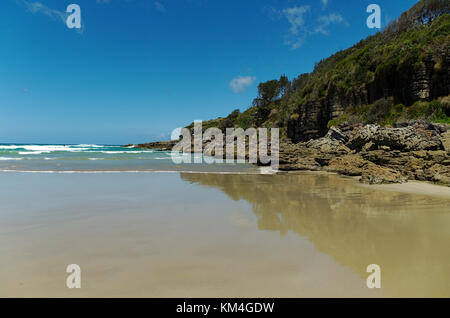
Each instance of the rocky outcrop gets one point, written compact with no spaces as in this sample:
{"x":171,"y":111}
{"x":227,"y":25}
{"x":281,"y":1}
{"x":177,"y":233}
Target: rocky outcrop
{"x":417,"y":151}
{"x":158,"y":145}
{"x":417,"y":137}
{"x":308,"y":121}
{"x":445,"y":139}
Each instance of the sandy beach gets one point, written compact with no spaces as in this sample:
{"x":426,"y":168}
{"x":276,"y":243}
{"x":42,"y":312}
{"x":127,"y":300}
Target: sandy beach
{"x":415,"y":187}
{"x":219,"y":235}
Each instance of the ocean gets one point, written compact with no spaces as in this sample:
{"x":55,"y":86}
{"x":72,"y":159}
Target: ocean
{"x":102,"y":158}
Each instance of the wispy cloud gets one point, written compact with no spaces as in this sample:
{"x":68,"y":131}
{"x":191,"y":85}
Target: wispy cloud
{"x":159,"y":6}
{"x":302,"y":24}
{"x":326,"y":20}
{"x":39,"y":8}
{"x":324,"y":2}
{"x":296,"y":18}
{"x":240,"y":83}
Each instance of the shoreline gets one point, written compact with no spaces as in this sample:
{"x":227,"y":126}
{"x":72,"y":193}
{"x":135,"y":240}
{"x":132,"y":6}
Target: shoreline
{"x":409,"y":187}
{"x":413,"y":187}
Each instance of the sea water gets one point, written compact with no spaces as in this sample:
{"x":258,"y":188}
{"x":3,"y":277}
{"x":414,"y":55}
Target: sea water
{"x":101,"y":158}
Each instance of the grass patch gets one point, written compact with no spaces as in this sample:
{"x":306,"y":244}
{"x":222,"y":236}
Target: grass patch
{"x":384,"y":113}
{"x":339,"y":120}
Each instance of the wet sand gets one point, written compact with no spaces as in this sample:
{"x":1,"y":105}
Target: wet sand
{"x":416,"y":187}
{"x":217,"y":235}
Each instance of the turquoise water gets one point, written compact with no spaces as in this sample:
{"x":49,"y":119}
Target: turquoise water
{"x":101,"y":158}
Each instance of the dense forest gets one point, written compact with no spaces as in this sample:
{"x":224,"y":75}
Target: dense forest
{"x":400,"y":73}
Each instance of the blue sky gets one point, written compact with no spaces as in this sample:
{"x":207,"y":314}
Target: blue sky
{"x":137,"y":69}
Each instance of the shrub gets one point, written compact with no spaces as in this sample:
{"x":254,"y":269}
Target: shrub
{"x":295,"y":117}
{"x":379,"y":111}
{"x":417,"y":110}
{"x":445,"y":103}
{"x":337,"y":121}
{"x":435,"y":111}
{"x":245,"y":121}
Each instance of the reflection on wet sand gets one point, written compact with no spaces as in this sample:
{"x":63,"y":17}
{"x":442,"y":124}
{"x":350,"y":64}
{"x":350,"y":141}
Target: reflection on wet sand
{"x":406,"y":234}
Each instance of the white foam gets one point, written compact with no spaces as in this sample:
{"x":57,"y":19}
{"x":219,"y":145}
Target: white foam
{"x":121,"y":152}
{"x":93,"y":146}
{"x":9,"y":147}
{"x":32,"y":152}
{"x":131,"y":171}
{"x":9,"y":159}
{"x":38,"y":149}
{"x":267,"y":170}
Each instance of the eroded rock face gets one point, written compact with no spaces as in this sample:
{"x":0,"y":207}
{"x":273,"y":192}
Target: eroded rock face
{"x":309,"y":121}
{"x":375,"y":174}
{"x":419,"y":151}
{"x":405,"y":139}
{"x":445,"y":140}
{"x":349,"y":165}
{"x":355,"y":165}
{"x":333,"y":138}
{"x":406,"y":84}
{"x":158,"y":145}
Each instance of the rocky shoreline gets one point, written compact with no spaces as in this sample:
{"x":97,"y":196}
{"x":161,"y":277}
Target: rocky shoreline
{"x":378,"y":155}
{"x":417,"y":151}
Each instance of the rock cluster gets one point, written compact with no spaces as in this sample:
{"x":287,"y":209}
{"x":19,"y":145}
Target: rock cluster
{"x":413,"y":151}
{"x":158,"y":145}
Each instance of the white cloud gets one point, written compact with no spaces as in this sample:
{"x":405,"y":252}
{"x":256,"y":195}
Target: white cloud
{"x":326,"y":20}
{"x":39,"y":8}
{"x":300,"y":30}
{"x":159,"y":6}
{"x":297,"y":31}
{"x":295,"y":17}
{"x":325,"y":3}
{"x":240,"y":83}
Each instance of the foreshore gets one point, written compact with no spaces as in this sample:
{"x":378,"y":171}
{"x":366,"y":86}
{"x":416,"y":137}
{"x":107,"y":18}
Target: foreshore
{"x":218,"y":235}
{"x":415,"y":187}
